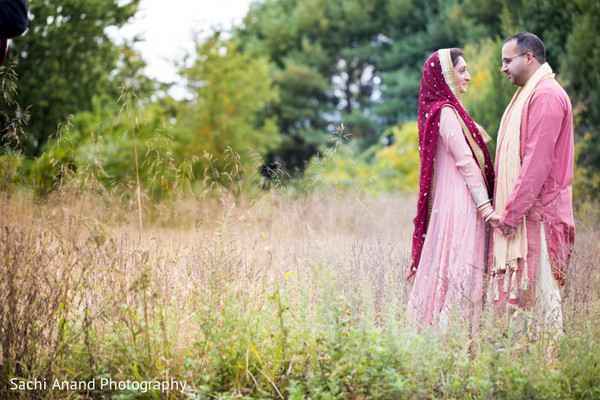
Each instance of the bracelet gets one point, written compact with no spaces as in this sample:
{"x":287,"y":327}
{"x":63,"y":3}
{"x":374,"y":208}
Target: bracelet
{"x":486,"y":211}
{"x":484,"y":205}
{"x":490,"y":216}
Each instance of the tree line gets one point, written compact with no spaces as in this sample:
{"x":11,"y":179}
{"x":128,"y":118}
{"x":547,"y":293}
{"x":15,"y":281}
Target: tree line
{"x":274,"y":87}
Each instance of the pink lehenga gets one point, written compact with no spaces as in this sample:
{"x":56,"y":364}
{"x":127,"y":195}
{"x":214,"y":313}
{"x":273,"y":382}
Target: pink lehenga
{"x":450,"y":234}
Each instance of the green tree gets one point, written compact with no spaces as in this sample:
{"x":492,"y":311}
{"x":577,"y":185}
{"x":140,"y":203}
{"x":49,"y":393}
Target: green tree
{"x":325,"y":54}
{"x":579,"y":67}
{"x":230,"y":93}
{"x":417,"y":30}
{"x":571,"y":35}
{"x":98,"y":147}
{"x":355,"y":61}
{"x":398,"y":166}
{"x":66,"y":58}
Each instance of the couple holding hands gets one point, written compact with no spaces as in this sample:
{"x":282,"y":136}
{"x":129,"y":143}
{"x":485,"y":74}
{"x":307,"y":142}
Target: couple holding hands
{"x":501,"y":231}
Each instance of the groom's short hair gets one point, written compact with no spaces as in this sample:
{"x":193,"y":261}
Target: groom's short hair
{"x":530,"y":43}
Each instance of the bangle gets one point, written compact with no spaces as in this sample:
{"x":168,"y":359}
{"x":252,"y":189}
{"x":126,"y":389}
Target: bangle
{"x":486,"y":210}
{"x":484,"y":206}
{"x":490,"y":216}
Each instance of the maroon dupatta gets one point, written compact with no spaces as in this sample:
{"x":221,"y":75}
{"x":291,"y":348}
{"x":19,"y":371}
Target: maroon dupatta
{"x":434,"y":94}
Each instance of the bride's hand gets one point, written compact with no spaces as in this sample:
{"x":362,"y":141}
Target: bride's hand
{"x":495,"y":221}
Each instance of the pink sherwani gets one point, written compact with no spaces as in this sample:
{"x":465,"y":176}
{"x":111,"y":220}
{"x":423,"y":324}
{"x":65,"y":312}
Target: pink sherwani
{"x":449,"y":280}
{"x":543,"y":191}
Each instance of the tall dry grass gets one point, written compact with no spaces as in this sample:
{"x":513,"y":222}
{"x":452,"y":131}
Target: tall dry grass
{"x":76,"y":283}
{"x":274,"y":297}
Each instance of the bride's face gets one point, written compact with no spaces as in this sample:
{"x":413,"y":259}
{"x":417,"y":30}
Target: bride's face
{"x":462,"y":75}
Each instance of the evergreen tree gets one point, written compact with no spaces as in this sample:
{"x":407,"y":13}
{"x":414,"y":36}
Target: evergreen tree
{"x":230,"y":93}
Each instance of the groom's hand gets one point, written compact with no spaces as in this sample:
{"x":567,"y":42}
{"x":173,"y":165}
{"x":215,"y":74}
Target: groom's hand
{"x":507,"y":230}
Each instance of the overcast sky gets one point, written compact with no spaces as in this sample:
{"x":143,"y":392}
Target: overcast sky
{"x":168,"y":28}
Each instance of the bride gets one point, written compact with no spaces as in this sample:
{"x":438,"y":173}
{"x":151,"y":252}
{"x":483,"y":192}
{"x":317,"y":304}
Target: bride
{"x":456,"y":183}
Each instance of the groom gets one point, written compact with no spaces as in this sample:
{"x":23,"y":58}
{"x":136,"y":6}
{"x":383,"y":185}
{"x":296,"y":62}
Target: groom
{"x":534,"y":162}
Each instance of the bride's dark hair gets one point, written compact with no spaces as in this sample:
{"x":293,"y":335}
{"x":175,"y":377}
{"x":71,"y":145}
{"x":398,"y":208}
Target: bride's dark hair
{"x":454,"y":54}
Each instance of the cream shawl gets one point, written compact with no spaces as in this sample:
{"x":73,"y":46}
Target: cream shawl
{"x":508,"y":159}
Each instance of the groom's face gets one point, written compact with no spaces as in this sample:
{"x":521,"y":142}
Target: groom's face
{"x":514,"y":63}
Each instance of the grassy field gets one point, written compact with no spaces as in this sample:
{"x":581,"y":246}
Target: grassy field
{"x":278,"y":297}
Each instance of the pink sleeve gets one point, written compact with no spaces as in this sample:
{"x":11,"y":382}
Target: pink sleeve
{"x":455,"y":142}
{"x":543,"y":129}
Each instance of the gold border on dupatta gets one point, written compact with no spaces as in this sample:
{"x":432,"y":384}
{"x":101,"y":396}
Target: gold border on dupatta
{"x":448,"y":72}
{"x":450,"y":78}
